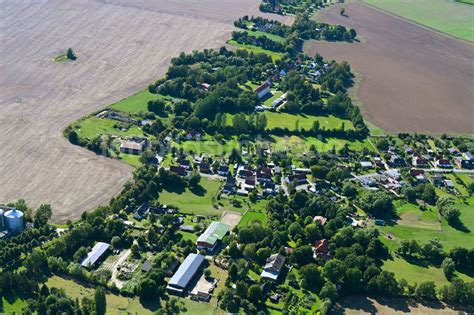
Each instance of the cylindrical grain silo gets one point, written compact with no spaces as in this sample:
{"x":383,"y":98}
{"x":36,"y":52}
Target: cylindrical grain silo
{"x":13,"y":220}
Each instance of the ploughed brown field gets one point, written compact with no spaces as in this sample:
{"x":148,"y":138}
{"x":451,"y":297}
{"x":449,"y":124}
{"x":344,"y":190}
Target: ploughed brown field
{"x":121,"y":46}
{"x":413,"y":79}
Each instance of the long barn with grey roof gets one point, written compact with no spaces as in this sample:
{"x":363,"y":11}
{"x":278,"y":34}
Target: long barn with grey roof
{"x":95,"y":254}
{"x":185,"y":273}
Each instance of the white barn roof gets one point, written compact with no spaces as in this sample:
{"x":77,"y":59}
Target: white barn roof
{"x":97,"y":251}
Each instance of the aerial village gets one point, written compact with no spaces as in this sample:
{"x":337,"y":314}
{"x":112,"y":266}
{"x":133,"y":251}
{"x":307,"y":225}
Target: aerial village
{"x":257,"y":186}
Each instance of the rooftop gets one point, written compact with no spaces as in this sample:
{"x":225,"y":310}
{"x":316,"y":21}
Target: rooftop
{"x":185,"y":272}
{"x":214,"y":232}
{"x":97,"y":251}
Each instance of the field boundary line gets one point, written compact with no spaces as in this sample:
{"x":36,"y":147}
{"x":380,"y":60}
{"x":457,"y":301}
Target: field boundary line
{"x":414,"y":22}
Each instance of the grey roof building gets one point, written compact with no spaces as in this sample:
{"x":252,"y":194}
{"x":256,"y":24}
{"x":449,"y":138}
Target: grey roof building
{"x":180,"y":280}
{"x":94,"y":255}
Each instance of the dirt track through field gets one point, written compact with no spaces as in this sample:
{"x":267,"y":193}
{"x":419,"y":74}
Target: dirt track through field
{"x":413,"y":79}
{"x":122,"y":46}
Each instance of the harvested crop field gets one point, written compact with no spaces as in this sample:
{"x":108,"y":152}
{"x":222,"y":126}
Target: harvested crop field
{"x":121,"y":47}
{"x":384,"y":306}
{"x":412,"y":79}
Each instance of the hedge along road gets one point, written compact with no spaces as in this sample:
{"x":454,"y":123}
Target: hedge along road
{"x":121,"y":47}
{"x":413,"y":79}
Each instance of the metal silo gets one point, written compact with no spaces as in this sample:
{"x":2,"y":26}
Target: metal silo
{"x":14,"y":221}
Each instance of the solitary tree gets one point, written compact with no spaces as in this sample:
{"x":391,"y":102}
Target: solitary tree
{"x":70,"y":54}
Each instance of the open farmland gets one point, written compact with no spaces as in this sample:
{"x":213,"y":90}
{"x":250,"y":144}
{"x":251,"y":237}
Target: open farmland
{"x":365,"y":305}
{"x":412,"y":78}
{"x":121,"y":47}
{"x":451,"y":17}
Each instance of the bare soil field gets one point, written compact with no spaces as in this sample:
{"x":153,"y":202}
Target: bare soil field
{"x":364,"y":305}
{"x":120,"y":49}
{"x":231,"y":218}
{"x":413,"y":79}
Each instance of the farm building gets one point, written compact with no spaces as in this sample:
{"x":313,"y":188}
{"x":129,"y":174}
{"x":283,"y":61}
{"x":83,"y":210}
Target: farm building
{"x":263,"y":89}
{"x":95,"y":254}
{"x":131,"y":147}
{"x":203,"y":289}
{"x":214,"y":233}
{"x":188,"y":269}
{"x":272,"y":268}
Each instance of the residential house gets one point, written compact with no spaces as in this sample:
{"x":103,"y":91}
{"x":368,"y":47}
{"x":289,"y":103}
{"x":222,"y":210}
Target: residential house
{"x":443,"y":163}
{"x":273,"y":267}
{"x":299,"y":178}
{"x":230,"y":185}
{"x":321,"y":247}
{"x":132,"y":147}
{"x":205,"y":168}
{"x":181,"y":171}
{"x":437,"y":179}
{"x":186,"y":164}
{"x":223,"y":170}
{"x":420,"y":162}
{"x":193,"y":134}
{"x":322,"y":220}
{"x":263,"y":90}
{"x":205,"y":86}
{"x":397,"y":161}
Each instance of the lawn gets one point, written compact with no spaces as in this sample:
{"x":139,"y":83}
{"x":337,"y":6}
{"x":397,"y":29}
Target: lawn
{"x":285,"y":120}
{"x":209,"y":146}
{"x":298,"y":145}
{"x":91,"y":127}
{"x":416,"y":274}
{"x":117,"y":304}
{"x":251,"y":216}
{"x":135,"y":103}
{"x":256,"y":49}
{"x":449,"y":17}
{"x":426,"y":228}
{"x":199,"y":202}
{"x":273,"y":37}
{"x":131,"y":159}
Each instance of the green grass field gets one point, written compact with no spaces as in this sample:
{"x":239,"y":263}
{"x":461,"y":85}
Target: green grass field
{"x":273,"y":37}
{"x":92,"y":127}
{"x":133,"y":160}
{"x":117,"y":304}
{"x":449,"y":17}
{"x":208,"y":146}
{"x":298,"y":145}
{"x":427,"y":227}
{"x":256,"y":49}
{"x":190,"y":202}
{"x":285,"y":120}
{"x":416,"y":274}
{"x":135,"y":103}
{"x":250,"y":217}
